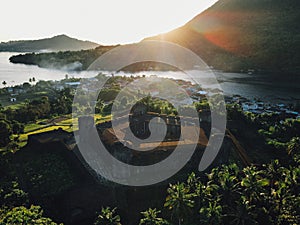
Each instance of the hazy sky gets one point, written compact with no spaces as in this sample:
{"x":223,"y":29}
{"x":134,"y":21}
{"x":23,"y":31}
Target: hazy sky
{"x":102,"y":21}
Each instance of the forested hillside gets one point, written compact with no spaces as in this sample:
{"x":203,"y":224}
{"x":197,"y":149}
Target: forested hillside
{"x":236,"y":35}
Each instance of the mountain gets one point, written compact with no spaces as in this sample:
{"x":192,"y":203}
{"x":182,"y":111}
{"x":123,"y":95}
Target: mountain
{"x":232,"y":35}
{"x":56,"y":43}
{"x":238,"y":35}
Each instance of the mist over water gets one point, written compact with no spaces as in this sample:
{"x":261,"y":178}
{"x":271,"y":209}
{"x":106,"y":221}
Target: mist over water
{"x":247,"y":85}
{"x":15,"y":74}
{"x":250,"y":86}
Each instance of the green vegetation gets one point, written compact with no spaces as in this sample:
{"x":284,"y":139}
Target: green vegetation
{"x":150,"y":217}
{"x":48,"y":110}
{"x":30,"y":116}
{"x":179,"y":202}
{"x":33,"y":127}
{"x":48,"y":175}
{"x":290,"y":139}
{"x":108,"y":216}
{"x":12,"y":195}
{"x":229,"y":195}
{"x":23,"y":215}
{"x":5,"y":131}
{"x":24,"y":137}
{"x":264,"y":193}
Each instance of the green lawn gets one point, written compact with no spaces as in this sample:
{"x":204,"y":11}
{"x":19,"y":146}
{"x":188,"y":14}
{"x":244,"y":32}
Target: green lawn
{"x":100,"y":119}
{"x":24,"y":137}
{"x":68,"y":124}
{"x":5,"y":102}
{"x":32,"y":127}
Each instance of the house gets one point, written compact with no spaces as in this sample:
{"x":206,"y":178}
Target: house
{"x":257,"y":111}
{"x":72,"y":84}
{"x":260,"y":105}
{"x":292,"y":113}
{"x":58,"y":87}
{"x":202,"y":92}
{"x":10,"y":90}
{"x":249,"y":106}
{"x":19,"y":90}
{"x":280,"y":105}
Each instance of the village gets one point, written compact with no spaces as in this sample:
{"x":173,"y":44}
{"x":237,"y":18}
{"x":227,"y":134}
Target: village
{"x":14,"y":95}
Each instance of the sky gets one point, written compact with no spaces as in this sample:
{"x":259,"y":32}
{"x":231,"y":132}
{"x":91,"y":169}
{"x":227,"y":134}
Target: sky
{"x":101,"y":21}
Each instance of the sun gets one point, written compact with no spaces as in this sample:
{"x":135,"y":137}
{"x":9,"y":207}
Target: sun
{"x":105,"y":22}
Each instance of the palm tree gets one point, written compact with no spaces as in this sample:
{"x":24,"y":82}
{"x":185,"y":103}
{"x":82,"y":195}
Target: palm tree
{"x":193,"y":182}
{"x":228,"y":183}
{"x":294,"y":146}
{"x":243,"y":213}
{"x":253,"y":184}
{"x":4,"y":83}
{"x":274,"y":172}
{"x":179,"y":201}
{"x":284,"y":197}
{"x":212,"y":214}
{"x":198,"y":188}
{"x":108,"y":216}
{"x":150,"y":217}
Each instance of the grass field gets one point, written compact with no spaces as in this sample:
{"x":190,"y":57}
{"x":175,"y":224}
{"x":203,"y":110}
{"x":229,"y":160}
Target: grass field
{"x":24,"y":137}
{"x":32,"y":127}
{"x":66,"y":123}
{"x":5,"y":102}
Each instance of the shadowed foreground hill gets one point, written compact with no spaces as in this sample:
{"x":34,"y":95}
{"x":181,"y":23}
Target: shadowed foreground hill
{"x":57,"y":43}
{"x":235,"y":35}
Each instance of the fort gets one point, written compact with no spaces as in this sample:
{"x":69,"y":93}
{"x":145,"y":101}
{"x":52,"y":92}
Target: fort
{"x":83,"y":192}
